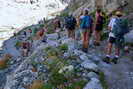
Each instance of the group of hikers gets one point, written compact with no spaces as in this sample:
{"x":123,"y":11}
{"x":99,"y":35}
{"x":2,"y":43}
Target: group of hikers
{"x":82,"y":28}
{"x":87,"y":25}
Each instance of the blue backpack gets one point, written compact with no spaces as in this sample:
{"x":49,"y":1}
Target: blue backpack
{"x":86,"y":22}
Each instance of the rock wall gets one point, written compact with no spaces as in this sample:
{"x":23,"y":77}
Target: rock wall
{"x":77,"y":6}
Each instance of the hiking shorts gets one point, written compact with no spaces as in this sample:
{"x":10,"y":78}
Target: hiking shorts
{"x":112,"y":40}
{"x":83,"y":30}
{"x":99,"y":27}
{"x":119,"y":43}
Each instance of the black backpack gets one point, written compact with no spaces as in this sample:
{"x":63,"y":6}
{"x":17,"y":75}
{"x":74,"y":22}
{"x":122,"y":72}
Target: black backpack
{"x":101,"y":20}
{"x":70,"y":22}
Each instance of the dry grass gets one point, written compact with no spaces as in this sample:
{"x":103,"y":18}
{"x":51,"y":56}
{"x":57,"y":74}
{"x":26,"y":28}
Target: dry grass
{"x":37,"y":84}
{"x":7,"y":57}
{"x":3,"y":64}
{"x":34,"y":69}
{"x":4,"y":61}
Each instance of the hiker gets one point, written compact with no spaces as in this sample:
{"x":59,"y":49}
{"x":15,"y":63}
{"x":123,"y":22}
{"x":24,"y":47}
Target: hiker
{"x":85,"y":26}
{"x":98,"y":26}
{"x":24,"y":33}
{"x":40,"y":33}
{"x":57,"y":26}
{"x":25,"y":48}
{"x":118,"y":27}
{"x":70,"y":24}
{"x":44,"y":37}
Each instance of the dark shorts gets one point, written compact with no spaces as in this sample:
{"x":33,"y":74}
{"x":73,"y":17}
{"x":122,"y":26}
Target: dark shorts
{"x":99,"y":27}
{"x":119,"y":43}
{"x":112,"y":40}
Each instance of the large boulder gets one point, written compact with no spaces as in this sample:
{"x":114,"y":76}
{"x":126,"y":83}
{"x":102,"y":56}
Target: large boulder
{"x":93,"y":84}
{"x":129,"y":37}
{"x":89,"y":65}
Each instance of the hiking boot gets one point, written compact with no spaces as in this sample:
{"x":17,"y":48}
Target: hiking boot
{"x":107,"y":60}
{"x":96,"y":43}
{"x":85,"y":50}
{"x":115,"y":60}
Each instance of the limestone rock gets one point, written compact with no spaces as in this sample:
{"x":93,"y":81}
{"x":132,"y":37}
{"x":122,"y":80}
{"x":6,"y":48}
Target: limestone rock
{"x":93,"y":84}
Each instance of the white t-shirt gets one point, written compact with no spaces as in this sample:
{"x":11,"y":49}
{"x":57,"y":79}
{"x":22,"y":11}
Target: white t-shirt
{"x":111,"y":24}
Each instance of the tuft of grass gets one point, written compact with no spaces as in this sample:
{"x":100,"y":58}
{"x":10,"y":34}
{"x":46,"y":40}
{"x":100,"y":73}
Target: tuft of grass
{"x":103,"y":81}
{"x":37,"y":84}
{"x":18,"y":44}
{"x":63,"y":47}
{"x":47,"y":86}
{"x":4,"y":62}
{"x":57,"y":79}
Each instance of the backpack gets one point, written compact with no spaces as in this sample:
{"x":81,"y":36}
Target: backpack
{"x":70,"y":22}
{"x":120,"y":27}
{"x":86,"y":22}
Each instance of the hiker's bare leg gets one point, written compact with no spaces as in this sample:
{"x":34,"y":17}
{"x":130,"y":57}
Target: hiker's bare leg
{"x":117,"y":52}
{"x":85,"y":39}
{"x":97,"y":36}
{"x":68,"y":32}
{"x":109,"y":48}
{"x":73,"y":34}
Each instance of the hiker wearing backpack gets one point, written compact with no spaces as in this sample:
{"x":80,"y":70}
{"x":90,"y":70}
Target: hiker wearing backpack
{"x":98,"y":26}
{"x":118,"y":27}
{"x":85,"y":26}
{"x":25,"y":48}
{"x":70,"y":24}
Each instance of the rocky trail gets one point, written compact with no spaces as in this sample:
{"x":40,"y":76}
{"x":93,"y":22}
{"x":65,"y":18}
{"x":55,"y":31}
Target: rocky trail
{"x":117,"y":76}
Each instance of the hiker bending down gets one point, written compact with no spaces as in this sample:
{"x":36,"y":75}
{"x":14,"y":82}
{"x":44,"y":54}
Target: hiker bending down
{"x":70,"y":24}
{"x":85,"y":26}
{"x":25,"y":48}
{"x":118,"y":27}
{"x":98,"y":26}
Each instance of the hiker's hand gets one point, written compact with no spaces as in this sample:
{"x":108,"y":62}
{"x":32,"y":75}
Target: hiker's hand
{"x":109,"y":28}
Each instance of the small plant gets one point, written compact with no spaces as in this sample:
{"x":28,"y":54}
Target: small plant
{"x":103,"y":81}
{"x":48,"y":48}
{"x":53,"y":53}
{"x":18,"y":44}
{"x":48,"y":86}
{"x":78,"y":84}
{"x":63,"y":47}
{"x":57,"y":79}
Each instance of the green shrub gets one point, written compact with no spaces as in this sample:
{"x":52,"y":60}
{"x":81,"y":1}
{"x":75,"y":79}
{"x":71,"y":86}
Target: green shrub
{"x":57,"y":79}
{"x":78,"y":84}
{"x":63,"y":47}
{"x":47,"y":86}
{"x":18,"y":44}
{"x":103,"y":81}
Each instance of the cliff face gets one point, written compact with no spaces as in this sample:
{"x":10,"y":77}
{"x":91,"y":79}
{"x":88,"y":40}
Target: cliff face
{"x":107,"y":5}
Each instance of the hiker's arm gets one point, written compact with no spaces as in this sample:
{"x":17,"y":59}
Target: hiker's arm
{"x":109,"y":28}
